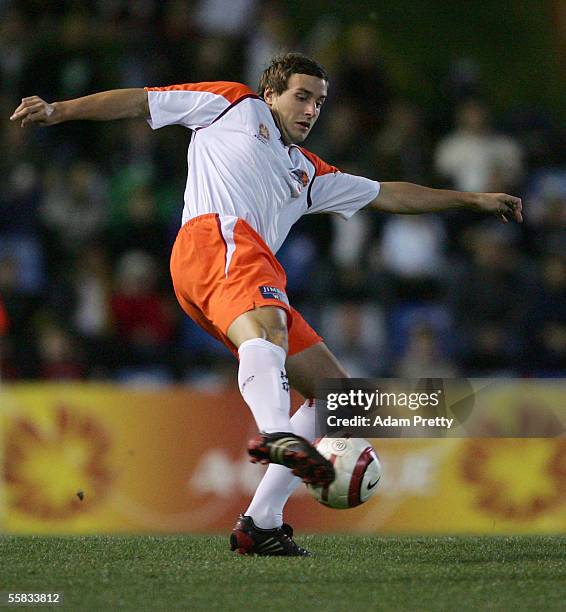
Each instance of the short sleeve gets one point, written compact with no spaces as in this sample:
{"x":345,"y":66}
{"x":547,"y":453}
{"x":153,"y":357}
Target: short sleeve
{"x":332,"y":191}
{"x":194,"y":105}
{"x":341,"y":193}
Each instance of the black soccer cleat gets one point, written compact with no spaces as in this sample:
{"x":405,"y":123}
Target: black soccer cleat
{"x":247,"y":539}
{"x":293,"y":452}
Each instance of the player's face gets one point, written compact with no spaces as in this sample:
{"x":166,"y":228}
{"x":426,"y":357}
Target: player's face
{"x":298,"y":107}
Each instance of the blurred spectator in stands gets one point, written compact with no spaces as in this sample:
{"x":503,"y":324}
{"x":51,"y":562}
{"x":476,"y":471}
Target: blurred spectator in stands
{"x":74,"y":210}
{"x":490,"y":293}
{"x":348,"y":252}
{"x":362,"y":75}
{"x":132,"y":42}
{"x":492,"y":351}
{"x":93,"y":279}
{"x":66,"y":60}
{"x":400,"y":151}
{"x":423,"y":357}
{"x":20,"y":196}
{"x":215,"y":57}
{"x":78,"y":300}
{"x":177,"y":21}
{"x":298,"y":257}
{"x":222,"y":36}
{"x":404,"y":317}
{"x":546,"y":218}
{"x":174,"y":60}
{"x":272,"y":33}
{"x":545,"y":320}
{"x":14,"y":49}
{"x":60,"y":357}
{"x":6,"y":365}
{"x":92,"y":316}
{"x":10,"y":365}
{"x":412,"y":252}
{"x":542,"y":137}
{"x":324,"y":42}
{"x":146,"y":160}
{"x":216,"y":18}
{"x":339,"y":141}
{"x":356,"y":332}
{"x":133,"y":146}
{"x":137,"y":222}
{"x":476,"y":158}
{"x":463,"y":81}
{"x":144,"y":318}
{"x":19,"y":357}
{"x":4,"y":323}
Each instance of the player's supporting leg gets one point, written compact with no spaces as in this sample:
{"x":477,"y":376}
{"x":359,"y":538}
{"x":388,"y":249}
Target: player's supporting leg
{"x":278,"y":483}
{"x":266,"y":508}
{"x":261,"y":529}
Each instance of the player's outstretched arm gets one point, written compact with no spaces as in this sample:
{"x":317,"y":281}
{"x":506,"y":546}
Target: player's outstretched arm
{"x":410,"y":199}
{"x":103,"y":106}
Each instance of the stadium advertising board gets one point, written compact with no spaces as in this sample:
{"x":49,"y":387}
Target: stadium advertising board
{"x":105,"y":459}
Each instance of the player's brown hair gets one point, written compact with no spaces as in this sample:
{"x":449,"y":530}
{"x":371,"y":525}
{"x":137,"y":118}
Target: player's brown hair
{"x":276,"y":75}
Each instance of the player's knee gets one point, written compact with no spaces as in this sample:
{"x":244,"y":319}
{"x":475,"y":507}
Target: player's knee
{"x":278,"y":335}
{"x":268,"y":323}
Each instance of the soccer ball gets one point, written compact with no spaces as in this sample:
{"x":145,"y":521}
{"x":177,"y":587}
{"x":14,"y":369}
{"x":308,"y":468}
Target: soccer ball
{"x":357,"y":469}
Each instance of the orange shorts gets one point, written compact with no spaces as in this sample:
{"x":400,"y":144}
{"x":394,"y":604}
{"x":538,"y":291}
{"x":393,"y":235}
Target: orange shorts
{"x":222,"y":268}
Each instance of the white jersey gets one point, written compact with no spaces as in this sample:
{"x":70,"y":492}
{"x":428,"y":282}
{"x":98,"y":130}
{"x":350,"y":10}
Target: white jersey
{"x":239,"y":167}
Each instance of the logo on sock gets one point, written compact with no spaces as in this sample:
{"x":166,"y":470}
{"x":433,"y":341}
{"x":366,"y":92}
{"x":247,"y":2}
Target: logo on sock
{"x":248,"y":379}
{"x":284,"y":381}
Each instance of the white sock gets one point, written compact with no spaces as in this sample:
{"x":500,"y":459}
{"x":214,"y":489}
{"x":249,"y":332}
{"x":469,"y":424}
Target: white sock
{"x":275,"y":488}
{"x":264,"y":385}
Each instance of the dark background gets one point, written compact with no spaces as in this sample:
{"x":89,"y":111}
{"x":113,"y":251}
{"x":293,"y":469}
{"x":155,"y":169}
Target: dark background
{"x":88,"y":211}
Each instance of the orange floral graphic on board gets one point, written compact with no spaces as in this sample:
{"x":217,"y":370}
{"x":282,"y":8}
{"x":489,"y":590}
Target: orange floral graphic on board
{"x":517,"y":479}
{"x":46,"y":467}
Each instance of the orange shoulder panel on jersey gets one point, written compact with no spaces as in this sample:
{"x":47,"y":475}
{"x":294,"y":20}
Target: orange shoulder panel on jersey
{"x":229,"y":90}
{"x":321,"y":167}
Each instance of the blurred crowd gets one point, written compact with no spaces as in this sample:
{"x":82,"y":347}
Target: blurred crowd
{"x":89,"y":211}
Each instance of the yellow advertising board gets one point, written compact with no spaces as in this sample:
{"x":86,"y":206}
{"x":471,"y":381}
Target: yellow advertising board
{"x":107,"y":459}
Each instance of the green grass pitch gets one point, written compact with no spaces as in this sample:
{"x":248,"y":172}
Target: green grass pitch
{"x":345,"y":573}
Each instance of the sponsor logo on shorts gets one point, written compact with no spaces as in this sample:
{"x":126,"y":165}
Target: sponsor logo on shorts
{"x":273,"y":293}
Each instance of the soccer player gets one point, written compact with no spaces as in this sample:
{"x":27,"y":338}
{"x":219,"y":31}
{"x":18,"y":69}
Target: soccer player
{"x":249,"y":181}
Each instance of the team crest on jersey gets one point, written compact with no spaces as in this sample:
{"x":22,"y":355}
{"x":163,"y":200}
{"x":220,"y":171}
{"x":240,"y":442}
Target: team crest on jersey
{"x":263,"y":132}
{"x":273,"y":293}
{"x":301,"y":176}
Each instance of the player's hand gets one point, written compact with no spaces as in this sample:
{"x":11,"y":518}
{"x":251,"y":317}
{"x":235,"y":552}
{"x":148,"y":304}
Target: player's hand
{"x":505,"y":207}
{"x":36,"y":111}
